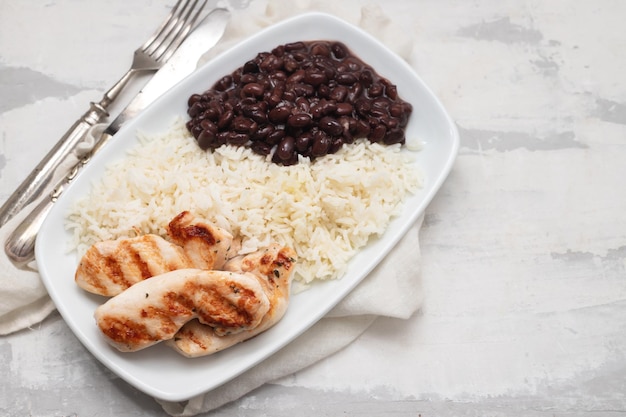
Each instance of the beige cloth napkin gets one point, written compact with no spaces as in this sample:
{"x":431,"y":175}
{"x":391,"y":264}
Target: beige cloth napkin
{"x":24,"y":300}
{"x":393,"y":289}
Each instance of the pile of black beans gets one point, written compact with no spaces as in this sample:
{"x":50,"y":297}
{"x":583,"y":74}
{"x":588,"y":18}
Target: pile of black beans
{"x":302,"y":98}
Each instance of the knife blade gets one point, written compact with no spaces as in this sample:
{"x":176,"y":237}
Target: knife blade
{"x":20,"y":244}
{"x":182,"y":63}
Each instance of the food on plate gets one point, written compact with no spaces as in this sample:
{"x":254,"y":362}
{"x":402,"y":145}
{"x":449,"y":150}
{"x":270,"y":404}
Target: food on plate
{"x":305,"y":148}
{"x":326,"y":210}
{"x":302,"y":99}
{"x":111,"y":266}
{"x":320,"y":172}
{"x":154,"y":310}
{"x":207,"y":245}
{"x":198,"y":297}
{"x":273,"y":267}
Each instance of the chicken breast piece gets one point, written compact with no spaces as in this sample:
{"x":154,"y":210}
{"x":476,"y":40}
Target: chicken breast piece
{"x":207,"y":245}
{"x":154,"y":310}
{"x":273,"y":268}
{"x":109,"y":267}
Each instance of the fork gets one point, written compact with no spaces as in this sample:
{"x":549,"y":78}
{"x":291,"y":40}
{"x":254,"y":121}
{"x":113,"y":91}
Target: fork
{"x":150,"y":56}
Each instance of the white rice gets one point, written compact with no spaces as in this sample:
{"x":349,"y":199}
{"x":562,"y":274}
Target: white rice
{"x":325,"y":210}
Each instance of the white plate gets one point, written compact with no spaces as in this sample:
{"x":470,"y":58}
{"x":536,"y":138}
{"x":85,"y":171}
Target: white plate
{"x":161,"y":372}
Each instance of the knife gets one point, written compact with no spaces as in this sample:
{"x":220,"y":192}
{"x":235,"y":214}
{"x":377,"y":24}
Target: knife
{"x":20,"y":244}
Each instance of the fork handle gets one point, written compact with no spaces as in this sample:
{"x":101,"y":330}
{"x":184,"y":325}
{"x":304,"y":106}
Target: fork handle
{"x":34,"y":185}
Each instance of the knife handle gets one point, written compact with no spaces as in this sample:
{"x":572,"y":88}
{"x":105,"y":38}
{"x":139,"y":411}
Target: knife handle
{"x":20,"y":244}
{"x":34,"y":185}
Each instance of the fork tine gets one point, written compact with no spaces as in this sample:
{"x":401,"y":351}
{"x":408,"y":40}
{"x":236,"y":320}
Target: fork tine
{"x":188,"y":22}
{"x":166,"y":22}
{"x":173,"y":29}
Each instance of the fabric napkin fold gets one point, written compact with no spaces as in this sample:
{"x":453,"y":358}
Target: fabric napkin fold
{"x":24,"y":300}
{"x":393,"y":289}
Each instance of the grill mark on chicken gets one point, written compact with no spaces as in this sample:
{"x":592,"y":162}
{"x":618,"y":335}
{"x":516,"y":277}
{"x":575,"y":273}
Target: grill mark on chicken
{"x":155,"y":309}
{"x":272,"y":267}
{"x":207,"y":245}
{"x":110,"y":267}
{"x":113,"y":269}
{"x":137,"y":258}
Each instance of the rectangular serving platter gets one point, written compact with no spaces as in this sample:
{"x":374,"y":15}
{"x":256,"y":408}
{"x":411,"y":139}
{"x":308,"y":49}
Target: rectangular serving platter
{"x":161,"y":372}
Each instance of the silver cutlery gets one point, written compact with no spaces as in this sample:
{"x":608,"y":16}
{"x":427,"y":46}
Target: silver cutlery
{"x":150,"y":56}
{"x":20,"y":244}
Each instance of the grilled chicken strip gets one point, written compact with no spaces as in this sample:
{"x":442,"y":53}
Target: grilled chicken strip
{"x":111,"y":266}
{"x":207,"y":245}
{"x":155,"y":309}
{"x":273,"y":268}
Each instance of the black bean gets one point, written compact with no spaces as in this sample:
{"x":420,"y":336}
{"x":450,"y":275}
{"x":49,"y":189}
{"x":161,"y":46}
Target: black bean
{"x":391,"y":122}
{"x":343,"y":109}
{"x":304,"y":104}
{"x":238,"y":138}
{"x":394,"y":136}
{"x":396,"y":110}
{"x":314,"y":77}
{"x":193,"y":99}
{"x":279,"y":114}
{"x":262,"y":132}
{"x":354,"y":92}
{"x":335,"y":145}
{"x":286,"y":148}
{"x":338,"y":93}
{"x":323,"y":91}
{"x":252,"y":90}
{"x":366,"y":78}
{"x":346,"y":78}
{"x":279,"y":50}
{"x":290,"y":64}
{"x":362,"y":129}
{"x":225,"y":119}
{"x":299,"y":56}
{"x":296,"y":77}
{"x":303,"y":141}
{"x":248,"y":78}
{"x":250,"y":67}
{"x":330,"y":126}
{"x":328,"y":107}
{"x":242,"y":124}
{"x":276,"y":136}
{"x":261,"y":148}
{"x":321,"y":144}
{"x":301,"y":98}
{"x":320,"y":48}
{"x":391,"y":91}
{"x":257,"y":114}
{"x":294,"y":46}
{"x":206,"y":124}
{"x":303,"y":90}
{"x":363,"y":107}
{"x":271,"y":63}
{"x":339,"y":51}
{"x":375,"y":90}
{"x":206,"y":139}
{"x":195,"y":109}
{"x":377,"y":133}
{"x":196,"y":130}
{"x":299,"y":120}
{"x":276,"y":96}
{"x":290,"y":95}
{"x":224,"y":83}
